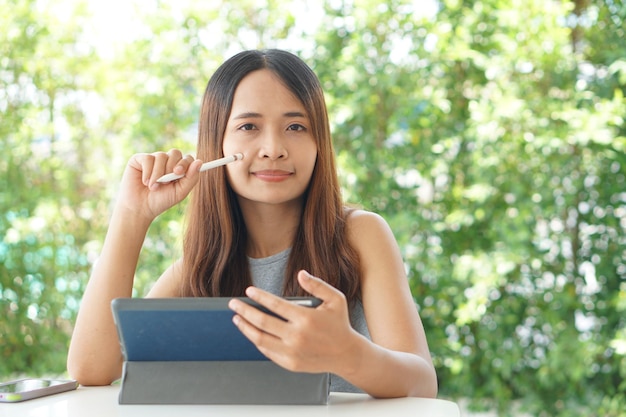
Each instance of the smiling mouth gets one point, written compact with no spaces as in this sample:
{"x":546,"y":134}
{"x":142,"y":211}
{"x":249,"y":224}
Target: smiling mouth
{"x":272,"y":175}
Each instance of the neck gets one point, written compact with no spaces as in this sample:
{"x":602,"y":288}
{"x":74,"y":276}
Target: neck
{"x":271,"y":227}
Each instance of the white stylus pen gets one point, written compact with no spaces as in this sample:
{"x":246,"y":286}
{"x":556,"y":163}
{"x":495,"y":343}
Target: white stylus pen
{"x":206,"y":166}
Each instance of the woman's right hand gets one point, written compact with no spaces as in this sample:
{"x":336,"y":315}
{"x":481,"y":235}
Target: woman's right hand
{"x":140,"y":192}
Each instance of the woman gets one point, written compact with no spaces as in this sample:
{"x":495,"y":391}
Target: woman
{"x":271,"y":224}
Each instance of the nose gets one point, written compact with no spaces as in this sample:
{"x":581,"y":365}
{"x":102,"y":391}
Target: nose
{"x":272,"y":147}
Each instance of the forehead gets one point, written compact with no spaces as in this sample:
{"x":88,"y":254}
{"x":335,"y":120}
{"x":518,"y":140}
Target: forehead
{"x":264,"y":90}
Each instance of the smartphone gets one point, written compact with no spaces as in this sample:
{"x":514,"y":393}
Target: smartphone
{"x":29,"y":388}
{"x":305,"y":301}
{"x":311,"y":302}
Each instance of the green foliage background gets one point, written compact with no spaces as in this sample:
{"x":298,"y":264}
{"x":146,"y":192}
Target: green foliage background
{"x":490,"y":134}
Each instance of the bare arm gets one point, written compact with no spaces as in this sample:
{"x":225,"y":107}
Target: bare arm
{"x":398,"y":362}
{"x":395,"y":363}
{"x":94,"y":356}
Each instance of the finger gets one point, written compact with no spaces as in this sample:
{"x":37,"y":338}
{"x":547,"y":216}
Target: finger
{"x":186,"y":166}
{"x":191,"y":171}
{"x":145,"y":163}
{"x":265,"y":342}
{"x":164,"y":163}
{"x":258,"y":326}
{"x":174,"y":156}
{"x":285,"y":309}
{"x":318,"y":288}
{"x":142,"y":163}
{"x":158,"y":168}
{"x":182,"y":165}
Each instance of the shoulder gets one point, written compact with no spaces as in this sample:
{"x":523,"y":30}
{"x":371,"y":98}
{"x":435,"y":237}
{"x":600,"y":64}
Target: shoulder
{"x":363,"y":224}
{"x":371,"y":236}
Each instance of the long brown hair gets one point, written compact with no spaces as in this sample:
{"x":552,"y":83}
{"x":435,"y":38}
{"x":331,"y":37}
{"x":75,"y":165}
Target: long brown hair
{"x":214,"y":253}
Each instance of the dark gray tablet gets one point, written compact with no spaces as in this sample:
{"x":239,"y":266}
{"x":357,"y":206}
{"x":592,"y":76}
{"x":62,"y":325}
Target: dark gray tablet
{"x":183,"y":329}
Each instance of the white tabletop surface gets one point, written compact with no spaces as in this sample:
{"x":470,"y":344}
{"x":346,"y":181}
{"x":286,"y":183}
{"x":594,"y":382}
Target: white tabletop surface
{"x":102,"y":401}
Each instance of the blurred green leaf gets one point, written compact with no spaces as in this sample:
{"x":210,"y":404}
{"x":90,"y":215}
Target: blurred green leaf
{"x":490,"y":134}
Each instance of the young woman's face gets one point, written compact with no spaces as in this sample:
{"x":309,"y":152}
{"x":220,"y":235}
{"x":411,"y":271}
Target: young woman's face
{"x":272,"y":129}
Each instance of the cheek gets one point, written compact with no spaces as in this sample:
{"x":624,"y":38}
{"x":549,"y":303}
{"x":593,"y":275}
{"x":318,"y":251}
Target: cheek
{"x":312,"y":165}
{"x":231,"y":146}
{"x":235,"y":179}
{"x":230,"y":149}
{"x":234,"y":173}
{"x":312,"y":158}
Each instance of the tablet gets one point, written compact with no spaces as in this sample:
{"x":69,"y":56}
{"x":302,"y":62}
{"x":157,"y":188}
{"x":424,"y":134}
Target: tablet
{"x":183,"y":329}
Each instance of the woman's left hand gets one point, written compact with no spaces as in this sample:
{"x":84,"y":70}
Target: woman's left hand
{"x":309,"y":339}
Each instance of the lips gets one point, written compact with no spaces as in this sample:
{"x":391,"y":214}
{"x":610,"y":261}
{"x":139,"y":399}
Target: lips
{"x":272,"y":175}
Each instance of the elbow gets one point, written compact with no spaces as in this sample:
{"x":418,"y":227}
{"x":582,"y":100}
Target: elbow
{"x":429,"y":386}
{"x":431,"y":391}
{"x":86,"y":374}
{"x":86,"y":377}
{"x":422,"y":390}
{"x":422,"y":386}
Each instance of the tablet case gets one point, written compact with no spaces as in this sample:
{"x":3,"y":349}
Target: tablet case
{"x":180,"y":329}
{"x":188,"y":351}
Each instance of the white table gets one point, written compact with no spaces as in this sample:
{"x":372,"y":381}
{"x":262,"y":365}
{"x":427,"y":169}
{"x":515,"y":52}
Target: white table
{"x":102,"y":401}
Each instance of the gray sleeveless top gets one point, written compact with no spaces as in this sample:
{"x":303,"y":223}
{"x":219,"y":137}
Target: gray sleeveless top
{"x":268,"y":274}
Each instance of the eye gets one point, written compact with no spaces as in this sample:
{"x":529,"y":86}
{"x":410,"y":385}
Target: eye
{"x":296,"y":127}
{"x":247,"y":126}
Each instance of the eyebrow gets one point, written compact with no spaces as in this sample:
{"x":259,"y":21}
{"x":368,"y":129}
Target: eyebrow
{"x":253,"y":115}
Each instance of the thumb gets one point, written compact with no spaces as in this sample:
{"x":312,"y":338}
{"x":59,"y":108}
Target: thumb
{"x":317,"y":288}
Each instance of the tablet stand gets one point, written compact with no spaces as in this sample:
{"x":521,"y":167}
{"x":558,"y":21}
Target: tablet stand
{"x":219,"y":382}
